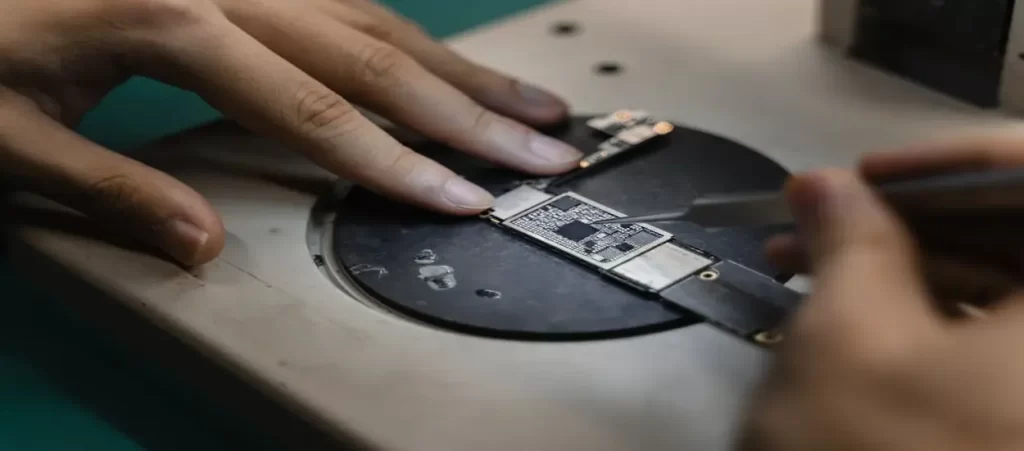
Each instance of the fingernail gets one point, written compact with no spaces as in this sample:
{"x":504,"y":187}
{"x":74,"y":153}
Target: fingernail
{"x":183,"y":240}
{"x":536,"y":96}
{"x":464,"y":194}
{"x":553,"y":150}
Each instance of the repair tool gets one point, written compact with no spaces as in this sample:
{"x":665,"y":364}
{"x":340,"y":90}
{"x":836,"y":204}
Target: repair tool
{"x":981,"y":193}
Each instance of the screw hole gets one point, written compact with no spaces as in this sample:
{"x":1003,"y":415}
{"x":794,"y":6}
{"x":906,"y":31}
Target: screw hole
{"x":1020,"y":55}
{"x":488,"y":294}
{"x":769,"y":338}
{"x":608,"y":68}
{"x":565,"y":28}
{"x":709,"y":275}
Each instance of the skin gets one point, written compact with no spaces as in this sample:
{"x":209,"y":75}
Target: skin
{"x":873,"y":361}
{"x":292,"y":70}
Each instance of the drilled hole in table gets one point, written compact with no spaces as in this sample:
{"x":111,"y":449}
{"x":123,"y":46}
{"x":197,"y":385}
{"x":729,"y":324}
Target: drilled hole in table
{"x":608,"y":68}
{"x":565,"y":28}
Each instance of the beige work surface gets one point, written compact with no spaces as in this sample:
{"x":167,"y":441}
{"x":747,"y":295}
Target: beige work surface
{"x":749,"y":70}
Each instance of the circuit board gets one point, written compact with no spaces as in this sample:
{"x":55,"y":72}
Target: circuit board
{"x":629,"y":129}
{"x":547,"y":270}
{"x":566,"y":223}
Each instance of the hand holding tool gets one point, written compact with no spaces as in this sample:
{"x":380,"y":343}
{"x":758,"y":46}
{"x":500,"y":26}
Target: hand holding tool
{"x":983,"y":195}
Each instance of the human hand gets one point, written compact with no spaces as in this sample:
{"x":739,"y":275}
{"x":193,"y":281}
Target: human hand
{"x":964,"y":261}
{"x":288,"y":69}
{"x":871,"y":362}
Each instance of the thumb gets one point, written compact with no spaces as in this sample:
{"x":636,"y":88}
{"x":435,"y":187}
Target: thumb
{"x":48,"y":158}
{"x":864,"y":262}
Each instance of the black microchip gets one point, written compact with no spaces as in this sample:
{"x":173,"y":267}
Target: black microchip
{"x":624,"y":247}
{"x":588,"y":244}
{"x":576,"y":231}
{"x":565,"y":203}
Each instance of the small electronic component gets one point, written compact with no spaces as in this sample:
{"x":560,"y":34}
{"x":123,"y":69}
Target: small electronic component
{"x":565,"y":223}
{"x":637,"y":254}
{"x":618,"y":121}
{"x":660,"y":267}
{"x":629,"y":129}
{"x":515,"y":202}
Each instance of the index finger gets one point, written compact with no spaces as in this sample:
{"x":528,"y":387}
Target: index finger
{"x":250,"y":83}
{"x":494,"y":90}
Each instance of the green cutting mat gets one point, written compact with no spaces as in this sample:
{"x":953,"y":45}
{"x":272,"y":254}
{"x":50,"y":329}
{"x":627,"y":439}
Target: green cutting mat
{"x":62,"y":387}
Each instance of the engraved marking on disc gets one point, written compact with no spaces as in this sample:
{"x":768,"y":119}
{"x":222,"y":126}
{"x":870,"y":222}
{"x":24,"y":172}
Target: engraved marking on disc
{"x":438,"y":277}
{"x":426,"y":257}
{"x":359,"y":269}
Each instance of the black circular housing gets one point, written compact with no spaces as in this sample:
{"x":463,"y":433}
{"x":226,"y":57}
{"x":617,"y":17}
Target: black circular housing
{"x":469,"y":275}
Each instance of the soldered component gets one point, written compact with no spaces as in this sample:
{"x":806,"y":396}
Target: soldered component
{"x":543,"y":182}
{"x":618,"y":121}
{"x":565,"y":224}
{"x":629,"y":129}
{"x":515,"y":202}
{"x":661,"y":267}
{"x":637,"y":254}
{"x":663,"y":128}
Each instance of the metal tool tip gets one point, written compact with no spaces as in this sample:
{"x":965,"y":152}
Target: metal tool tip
{"x":659,"y":217}
{"x":615,"y":221}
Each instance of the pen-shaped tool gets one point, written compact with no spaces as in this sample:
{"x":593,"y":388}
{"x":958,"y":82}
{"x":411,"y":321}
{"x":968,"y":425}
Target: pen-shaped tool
{"x":988,"y":194}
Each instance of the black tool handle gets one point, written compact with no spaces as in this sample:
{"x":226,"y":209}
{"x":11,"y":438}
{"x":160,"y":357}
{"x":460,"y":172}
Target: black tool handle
{"x":971,"y":217}
{"x":997,"y":191}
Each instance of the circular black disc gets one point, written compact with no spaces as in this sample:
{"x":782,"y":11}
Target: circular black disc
{"x":469,"y":275}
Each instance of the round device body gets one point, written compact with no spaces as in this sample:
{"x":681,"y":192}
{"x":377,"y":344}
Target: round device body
{"x":466,"y":274}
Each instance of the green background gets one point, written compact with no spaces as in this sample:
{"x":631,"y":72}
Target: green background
{"x":62,"y":387}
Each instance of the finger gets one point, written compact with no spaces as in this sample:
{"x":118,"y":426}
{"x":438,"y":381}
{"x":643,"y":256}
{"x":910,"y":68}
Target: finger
{"x":249,"y":82}
{"x":963,"y":154}
{"x":378,"y":76}
{"x":57,"y":163}
{"x":494,"y":90}
{"x":787,"y":254}
{"x":864,"y":263}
